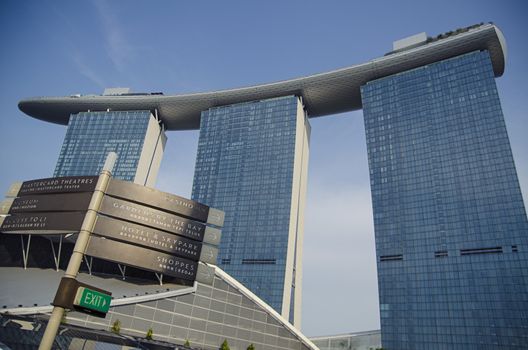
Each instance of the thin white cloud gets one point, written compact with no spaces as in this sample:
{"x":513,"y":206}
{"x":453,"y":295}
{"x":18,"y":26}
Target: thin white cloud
{"x":117,"y":46}
{"x":87,"y":71}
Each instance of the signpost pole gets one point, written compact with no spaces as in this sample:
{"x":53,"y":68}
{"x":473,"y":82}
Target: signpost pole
{"x":80,"y":247}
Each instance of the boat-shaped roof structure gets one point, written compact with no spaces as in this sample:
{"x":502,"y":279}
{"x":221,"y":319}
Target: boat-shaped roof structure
{"x":323,"y":94}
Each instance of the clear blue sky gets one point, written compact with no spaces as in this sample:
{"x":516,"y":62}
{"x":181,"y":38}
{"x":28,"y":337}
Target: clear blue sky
{"x":57,"y":48}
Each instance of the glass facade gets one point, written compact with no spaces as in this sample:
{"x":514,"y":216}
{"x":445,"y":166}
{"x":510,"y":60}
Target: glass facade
{"x":248,"y":165}
{"x":92,"y":135}
{"x":450,"y":223}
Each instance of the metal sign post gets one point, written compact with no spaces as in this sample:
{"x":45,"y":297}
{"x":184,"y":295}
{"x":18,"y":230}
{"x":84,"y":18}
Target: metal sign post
{"x":80,"y":247}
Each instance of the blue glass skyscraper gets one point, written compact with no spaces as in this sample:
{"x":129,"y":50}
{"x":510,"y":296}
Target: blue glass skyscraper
{"x":252,"y":163}
{"x":135,"y":136}
{"x":450,"y":223}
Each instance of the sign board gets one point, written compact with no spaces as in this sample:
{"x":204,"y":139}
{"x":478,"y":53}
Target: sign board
{"x":90,"y":299}
{"x":73,"y":294}
{"x":157,"y":219}
{"x":51,"y":202}
{"x":142,"y":258}
{"x":43,"y":223}
{"x":205,"y":274}
{"x":13,"y":189}
{"x":58,"y":185}
{"x":147,"y":237}
{"x":209,"y":254}
{"x":5,"y":206}
{"x":165,"y":201}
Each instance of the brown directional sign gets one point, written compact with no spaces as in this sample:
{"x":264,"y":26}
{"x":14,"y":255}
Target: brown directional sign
{"x":209,"y":254}
{"x":142,"y":258}
{"x":165,"y":201}
{"x":58,"y":185}
{"x":5,"y":206}
{"x":154,"y":218}
{"x":205,"y":274}
{"x":51,"y":202}
{"x":43,"y":223}
{"x":147,"y":237}
{"x":13,"y":189}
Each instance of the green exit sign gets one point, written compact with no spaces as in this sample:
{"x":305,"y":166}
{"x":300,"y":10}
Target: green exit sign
{"x":92,"y":300}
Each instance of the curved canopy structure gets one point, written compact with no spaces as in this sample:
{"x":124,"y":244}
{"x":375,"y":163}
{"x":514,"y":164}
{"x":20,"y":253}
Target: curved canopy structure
{"x":323,"y":94}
